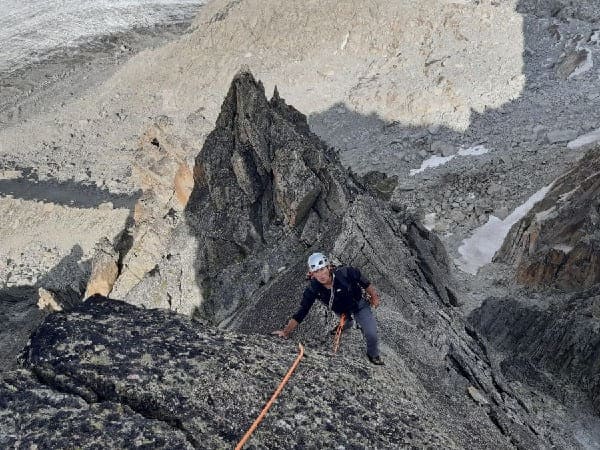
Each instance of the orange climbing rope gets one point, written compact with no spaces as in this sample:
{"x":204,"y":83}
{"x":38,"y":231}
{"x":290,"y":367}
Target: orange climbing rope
{"x":338,"y":333}
{"x":263,"y":413}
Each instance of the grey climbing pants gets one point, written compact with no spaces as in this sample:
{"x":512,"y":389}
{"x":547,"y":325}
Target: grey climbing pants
{"x":366,"y":321}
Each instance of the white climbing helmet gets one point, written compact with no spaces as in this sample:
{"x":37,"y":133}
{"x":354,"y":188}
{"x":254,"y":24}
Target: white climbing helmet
{"x":317,"y":261}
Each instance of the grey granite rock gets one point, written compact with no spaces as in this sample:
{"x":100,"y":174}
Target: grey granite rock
{"x":542,"y":338}
{"x":127,"y":376}
{"x":443,"y":148}
{"x":35,"y":415}
{"x":571,"y":62}
{"x":19,"y":316}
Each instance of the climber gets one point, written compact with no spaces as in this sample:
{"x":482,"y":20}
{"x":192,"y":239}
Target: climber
{"x":341,"y":290}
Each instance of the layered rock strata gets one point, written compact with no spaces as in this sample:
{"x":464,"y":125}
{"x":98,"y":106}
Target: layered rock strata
{"x":541,"y":339}
{"x":558,"y":242}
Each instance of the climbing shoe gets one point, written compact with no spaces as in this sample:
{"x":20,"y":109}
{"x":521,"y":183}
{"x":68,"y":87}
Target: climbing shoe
{"x":376,"y":360}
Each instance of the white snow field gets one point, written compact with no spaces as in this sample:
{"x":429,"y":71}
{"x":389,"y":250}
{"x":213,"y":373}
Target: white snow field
{"x":436,"y":160}
{"x":479,"y":249}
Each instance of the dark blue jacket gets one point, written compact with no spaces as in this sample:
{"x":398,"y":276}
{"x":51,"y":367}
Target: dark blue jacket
{"x":348,"y":284}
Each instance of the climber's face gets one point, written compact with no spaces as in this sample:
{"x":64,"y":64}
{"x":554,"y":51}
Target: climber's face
{"x":322,"y":275}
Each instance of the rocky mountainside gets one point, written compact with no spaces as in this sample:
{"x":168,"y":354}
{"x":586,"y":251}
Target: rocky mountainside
{"x":267,"y":192}
{"x":235,"y":193}
{"x":557,"y":242}
{"x":546,"y":346}
{"x":391,"y":86}
{"x":549,"y":343}
{"x":546,"y":335}
{"x":128,"y":377}
{"x":320,"y":68}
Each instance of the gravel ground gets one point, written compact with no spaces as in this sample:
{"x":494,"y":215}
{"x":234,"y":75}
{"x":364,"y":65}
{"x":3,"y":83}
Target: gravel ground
{"x":47,"y":218}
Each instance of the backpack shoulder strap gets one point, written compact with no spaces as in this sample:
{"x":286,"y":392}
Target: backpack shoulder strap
{"x":342,"y":275}
{"x":312,"y":287}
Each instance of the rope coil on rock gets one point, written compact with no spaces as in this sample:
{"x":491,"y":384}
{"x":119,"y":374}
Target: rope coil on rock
{"x":338,"y":333}
{"x":263,"y":413}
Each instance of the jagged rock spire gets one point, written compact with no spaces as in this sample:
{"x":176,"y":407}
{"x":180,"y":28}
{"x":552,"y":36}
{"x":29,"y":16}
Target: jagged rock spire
{"x":262,"y":172}
{"x":268,"y":192}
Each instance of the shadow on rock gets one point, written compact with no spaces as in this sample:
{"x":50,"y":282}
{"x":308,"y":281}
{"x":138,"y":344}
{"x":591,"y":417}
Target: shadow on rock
{"x":66,"y":193}
{"x":67,"y":280}
{"x":19,"y":316}
{"x":61,"y":288}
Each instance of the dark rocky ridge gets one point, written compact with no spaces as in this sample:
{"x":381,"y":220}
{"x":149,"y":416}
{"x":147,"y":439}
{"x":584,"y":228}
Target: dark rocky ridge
{"x":114,"y":368}
{"x":265,"y":185}
{"x":266,"y":192}
{"x":539,"y":337}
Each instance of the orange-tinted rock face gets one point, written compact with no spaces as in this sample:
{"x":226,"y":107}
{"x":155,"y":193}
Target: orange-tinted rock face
{"x":184,"y":183}
{"x":104,"y":270}
{"x":558,"y":242}
{"x":541,"y":272}
{"x":166,"y":180}
{"x":161,"y":168}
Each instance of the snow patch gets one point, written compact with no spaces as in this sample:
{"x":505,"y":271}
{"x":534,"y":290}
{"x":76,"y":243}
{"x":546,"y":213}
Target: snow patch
{"x":479,"y":249}
{"x":435,"y":160}
{"x":429,"y":221}
{"x":477,"y":150}
{"x":432,"y":161}
{"x":586,"y":139}
{"x":566,"y":249}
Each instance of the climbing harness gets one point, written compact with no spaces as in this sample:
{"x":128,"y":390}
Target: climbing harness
{"x":263,"y":413}
{"x":338,"y":333}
